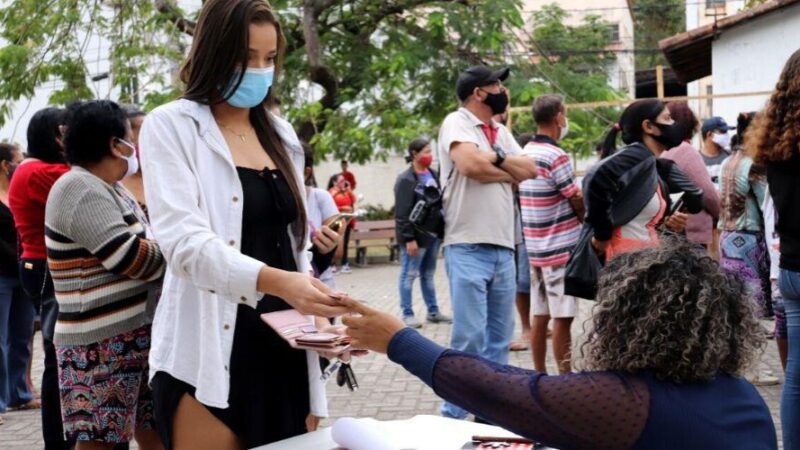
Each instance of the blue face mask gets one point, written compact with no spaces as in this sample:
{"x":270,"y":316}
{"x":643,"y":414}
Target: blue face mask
{"x":253,"y":89}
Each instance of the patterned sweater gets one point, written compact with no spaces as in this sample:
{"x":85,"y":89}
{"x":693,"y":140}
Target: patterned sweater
{"x":107,"y":275}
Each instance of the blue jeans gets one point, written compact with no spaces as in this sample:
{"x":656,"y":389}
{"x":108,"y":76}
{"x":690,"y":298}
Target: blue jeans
{"x":38,"y":284}
{"x":523,"y":270}
{"x":482,"y":289}
{"x":789,"y":283}
{"x":16,"y":334}
{"x":423,"y":266}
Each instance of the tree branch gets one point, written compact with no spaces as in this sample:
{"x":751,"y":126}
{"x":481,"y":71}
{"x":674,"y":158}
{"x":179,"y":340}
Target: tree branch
{"x":362,"y":24}
{"x":369,"y":20}
{"x":318,"y":72}
{"x":169,"y":8}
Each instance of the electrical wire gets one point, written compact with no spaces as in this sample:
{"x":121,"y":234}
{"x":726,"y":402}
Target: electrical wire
{"x":718,"y":4}
{"x":552,"y":82}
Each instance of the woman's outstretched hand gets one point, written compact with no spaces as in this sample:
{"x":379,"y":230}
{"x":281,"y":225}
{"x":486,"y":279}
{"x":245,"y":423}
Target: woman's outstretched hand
{"x":368,"y":328}
{"x":303,"y":292}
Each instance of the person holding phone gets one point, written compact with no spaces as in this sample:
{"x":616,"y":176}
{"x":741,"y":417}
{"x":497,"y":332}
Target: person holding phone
{"x":224,"y":181}
{"x":699,"y":227}
{"x":345,"y":199}
{"x":627,"y":195}
{"x":322,"y":214}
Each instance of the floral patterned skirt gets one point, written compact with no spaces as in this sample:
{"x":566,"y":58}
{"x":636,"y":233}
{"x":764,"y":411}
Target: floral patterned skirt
{"x":104,"y":388}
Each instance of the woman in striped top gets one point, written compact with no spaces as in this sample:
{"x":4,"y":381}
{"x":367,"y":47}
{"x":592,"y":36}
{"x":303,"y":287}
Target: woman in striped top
{"x":107,"y":278}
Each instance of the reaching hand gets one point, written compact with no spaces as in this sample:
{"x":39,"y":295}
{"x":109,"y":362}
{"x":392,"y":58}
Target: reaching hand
{"x":370,"y":329}
{"x":303,"y":292}
{"x":326,"y":327}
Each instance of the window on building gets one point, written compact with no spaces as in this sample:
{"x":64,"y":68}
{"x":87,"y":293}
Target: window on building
{"x":715,"y":7}
{"x":613,"y":32}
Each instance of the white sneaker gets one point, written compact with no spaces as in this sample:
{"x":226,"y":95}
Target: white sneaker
{"x":346,"y":268}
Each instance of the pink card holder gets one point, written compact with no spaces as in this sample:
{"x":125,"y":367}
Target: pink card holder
{"x":300,"y":333}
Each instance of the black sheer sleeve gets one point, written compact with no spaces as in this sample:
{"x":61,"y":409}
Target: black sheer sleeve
{"x":589,"y":410}
{"x":592,"y":410}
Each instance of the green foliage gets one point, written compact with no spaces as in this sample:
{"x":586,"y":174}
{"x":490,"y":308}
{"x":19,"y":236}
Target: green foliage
{"x":377,"y":212}
{"x":394,"y":63}
{"x":568,"y":65}
{"x":54,"y":43}
{"x":654,"y":20}
{"x":391,"y":64}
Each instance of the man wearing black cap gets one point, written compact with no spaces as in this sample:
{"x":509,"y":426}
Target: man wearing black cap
{"x":480,"y":161}
{"x":715,"y":144}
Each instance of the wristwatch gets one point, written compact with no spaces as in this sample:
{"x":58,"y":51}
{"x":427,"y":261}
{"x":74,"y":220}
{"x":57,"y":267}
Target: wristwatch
{"x":501,"y":155}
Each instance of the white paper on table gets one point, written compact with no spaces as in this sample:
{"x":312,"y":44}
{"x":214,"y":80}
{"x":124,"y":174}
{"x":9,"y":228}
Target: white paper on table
{"x":419,"y":433}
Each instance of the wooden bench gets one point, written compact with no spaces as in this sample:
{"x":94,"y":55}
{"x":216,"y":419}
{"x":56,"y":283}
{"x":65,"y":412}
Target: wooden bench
{"x":376,"y":233}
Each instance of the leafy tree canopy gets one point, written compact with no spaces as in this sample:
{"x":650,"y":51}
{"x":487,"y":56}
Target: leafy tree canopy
{"x":566,"y":62}
{"x":654,"y":20}
{"x":361,"y":76}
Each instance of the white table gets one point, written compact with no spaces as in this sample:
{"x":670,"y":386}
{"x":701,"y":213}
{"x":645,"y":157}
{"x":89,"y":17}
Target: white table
{"x":420,"y":433}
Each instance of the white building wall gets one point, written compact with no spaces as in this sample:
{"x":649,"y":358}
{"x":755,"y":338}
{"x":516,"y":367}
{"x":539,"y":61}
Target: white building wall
{"x":750,"y":57}
{"x":698,"y":15}
{"x":374,"y":180}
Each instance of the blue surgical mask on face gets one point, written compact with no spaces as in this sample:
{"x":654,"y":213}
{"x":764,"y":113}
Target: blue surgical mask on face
{"x":253,"y":89}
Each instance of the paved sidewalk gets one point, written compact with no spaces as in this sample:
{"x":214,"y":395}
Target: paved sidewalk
{"x":386,"y":391}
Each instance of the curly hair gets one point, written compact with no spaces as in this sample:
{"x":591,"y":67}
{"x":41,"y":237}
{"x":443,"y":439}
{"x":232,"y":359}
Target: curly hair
{"x":673,"y":312}
{"x":775,"y":135}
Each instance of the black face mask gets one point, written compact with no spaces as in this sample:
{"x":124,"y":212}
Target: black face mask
{"x":498,"y":102}
{"x":671,"y":135}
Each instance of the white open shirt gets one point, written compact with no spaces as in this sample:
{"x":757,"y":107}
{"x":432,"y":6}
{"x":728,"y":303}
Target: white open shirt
{"x":194,"y":198}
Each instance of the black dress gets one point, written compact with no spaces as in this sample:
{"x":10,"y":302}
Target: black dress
{"x":269,"y":392}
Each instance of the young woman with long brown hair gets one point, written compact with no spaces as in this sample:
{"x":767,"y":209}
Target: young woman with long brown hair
{"x":775,"y":142}
{"x":223,"y":178}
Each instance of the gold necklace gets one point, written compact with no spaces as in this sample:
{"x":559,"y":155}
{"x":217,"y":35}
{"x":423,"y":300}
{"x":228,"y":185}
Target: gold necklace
{"x":241,"y":136}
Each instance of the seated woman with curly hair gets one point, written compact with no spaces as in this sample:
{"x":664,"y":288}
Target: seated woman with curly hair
{"x":671,"y":337}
